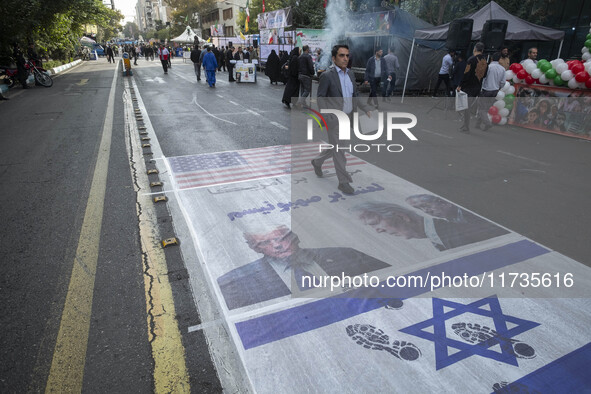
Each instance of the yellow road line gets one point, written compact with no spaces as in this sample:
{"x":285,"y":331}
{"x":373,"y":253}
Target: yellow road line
{"x":67,"y":367}
{"x":170,"y":371}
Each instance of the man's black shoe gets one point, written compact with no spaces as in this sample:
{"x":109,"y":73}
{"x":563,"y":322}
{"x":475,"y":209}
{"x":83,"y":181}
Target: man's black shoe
{"x":317,"y":169}
{"x":346,"y":188}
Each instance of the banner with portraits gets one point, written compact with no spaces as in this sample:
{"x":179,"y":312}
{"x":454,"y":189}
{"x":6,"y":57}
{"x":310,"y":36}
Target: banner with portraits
{"x":552,"y":109}
{"x":275,"y":19}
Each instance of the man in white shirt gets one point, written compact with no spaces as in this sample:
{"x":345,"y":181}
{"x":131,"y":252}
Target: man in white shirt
{"x":444,"y":71}
{"x":492,"y":83}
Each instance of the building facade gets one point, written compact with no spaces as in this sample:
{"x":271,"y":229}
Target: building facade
{"x":222,"y":19}
{"x":149,"y":11}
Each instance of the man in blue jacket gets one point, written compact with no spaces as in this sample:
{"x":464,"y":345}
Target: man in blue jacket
{"x":376,"y":72}
{"x":211,"y":64}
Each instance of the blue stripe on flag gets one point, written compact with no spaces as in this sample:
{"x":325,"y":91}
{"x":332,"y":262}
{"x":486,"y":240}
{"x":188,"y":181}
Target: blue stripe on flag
{"x":568,"y":374}
{"x":283,"y":324}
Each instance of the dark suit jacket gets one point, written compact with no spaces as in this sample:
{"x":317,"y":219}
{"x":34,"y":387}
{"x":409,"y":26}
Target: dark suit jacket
{"x":475,"y":229}
{"x":370,"y":68}
{"x":257,"y":282}
{"x":330,"y":94}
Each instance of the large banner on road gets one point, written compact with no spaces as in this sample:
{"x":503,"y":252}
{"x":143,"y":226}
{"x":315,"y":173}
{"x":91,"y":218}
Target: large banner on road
{"x":264,"y":222}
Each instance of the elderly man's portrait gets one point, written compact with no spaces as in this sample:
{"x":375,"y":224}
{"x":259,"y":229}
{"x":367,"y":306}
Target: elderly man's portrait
{"x":428,"y":217}
{"x":282,"y":265}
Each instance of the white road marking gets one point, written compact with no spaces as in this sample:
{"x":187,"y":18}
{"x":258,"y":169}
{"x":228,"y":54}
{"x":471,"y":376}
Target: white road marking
{"x":438,"y":134}
{"x":219,"y":95}
{"x":208,"y":113}
{"x":252,"y":112}
{"x":524,"y":158}
{"x":279,"y":125}
{"x":231,"y":102}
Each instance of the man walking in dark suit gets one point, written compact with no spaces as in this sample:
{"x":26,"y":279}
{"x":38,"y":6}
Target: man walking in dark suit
{"x":337,"y":90}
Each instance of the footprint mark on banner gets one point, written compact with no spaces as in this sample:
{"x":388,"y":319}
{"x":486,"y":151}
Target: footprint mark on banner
{"x":515,"y":388}
{"x":475,"y":333}
{"x":373,"y":338}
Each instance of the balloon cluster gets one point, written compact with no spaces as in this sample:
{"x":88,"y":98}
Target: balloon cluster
{"x":574,"y":73}
{"x":500,"y":110}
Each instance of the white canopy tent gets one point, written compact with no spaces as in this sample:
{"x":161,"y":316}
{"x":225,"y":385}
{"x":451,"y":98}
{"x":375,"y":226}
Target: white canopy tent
{"x":188,"y":36}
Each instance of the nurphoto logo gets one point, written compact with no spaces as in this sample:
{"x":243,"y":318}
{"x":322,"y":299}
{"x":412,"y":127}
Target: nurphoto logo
{"x":377,"y":129}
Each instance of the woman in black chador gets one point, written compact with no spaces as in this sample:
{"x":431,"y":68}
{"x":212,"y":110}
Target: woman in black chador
{"x":292,"y":89}
{"x":273,"y":68}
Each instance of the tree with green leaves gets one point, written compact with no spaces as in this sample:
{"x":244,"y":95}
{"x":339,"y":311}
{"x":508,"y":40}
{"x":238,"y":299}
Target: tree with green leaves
{"x":54,"y":25}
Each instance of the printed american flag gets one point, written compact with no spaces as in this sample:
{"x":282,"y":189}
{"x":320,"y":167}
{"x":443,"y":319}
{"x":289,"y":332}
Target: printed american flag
{"x":211,"y":169}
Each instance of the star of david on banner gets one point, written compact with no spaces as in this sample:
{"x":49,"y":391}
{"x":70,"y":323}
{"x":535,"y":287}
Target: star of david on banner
{"x":501,"y":335}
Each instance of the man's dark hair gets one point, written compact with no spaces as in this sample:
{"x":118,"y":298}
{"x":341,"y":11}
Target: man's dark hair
{"x":208,"y":49}
{"x":392,"y":49}
{"x":336,"y":48}
{"x":305,"y":48}
{"x":479,"y":47}
{"x":496,"y":56}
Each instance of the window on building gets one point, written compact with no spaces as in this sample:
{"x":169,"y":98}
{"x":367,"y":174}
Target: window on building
{"x":228,"y":13}
{"x":229,"y":31}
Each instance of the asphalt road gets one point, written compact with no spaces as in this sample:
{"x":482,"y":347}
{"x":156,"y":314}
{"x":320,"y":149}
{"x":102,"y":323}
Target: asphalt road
{"x":534,"y":183}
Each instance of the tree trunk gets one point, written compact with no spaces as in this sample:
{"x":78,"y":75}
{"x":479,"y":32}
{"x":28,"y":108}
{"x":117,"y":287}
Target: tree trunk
{"x":442,"y":5}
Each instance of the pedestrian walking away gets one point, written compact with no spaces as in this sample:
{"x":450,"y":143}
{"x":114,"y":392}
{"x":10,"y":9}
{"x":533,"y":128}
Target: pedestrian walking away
{"x":273,"y":68}
{"x":292,"y":89}
{"x":211,"y":64}
{"x":492,"y":83}
{"x":337,"y":90}
{"x":393,"y":67}
{"x":471,"y":84}
{"x":163,"y":55}
{"x":305,"y":72}
{"x":229,"y":65}
{"x":195,"y":56}
{"x":444,"y":72}
{"x":376,"y":72}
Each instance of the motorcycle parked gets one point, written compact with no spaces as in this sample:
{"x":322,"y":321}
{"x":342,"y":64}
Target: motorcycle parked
{"x":10,"y":75}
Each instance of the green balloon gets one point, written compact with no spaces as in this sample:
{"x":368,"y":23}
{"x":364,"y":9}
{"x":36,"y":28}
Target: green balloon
{"x":509,"y":99}
{"x":545,"y":67}
{"x":588,"y":43}
{"x":558,"y":81}
{"x":588,"y":36}
{"x":551,"y":73}
{"x":542,"y":62}
{"x":509,"y":106}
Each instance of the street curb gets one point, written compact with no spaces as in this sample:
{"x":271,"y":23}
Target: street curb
{"x":63,"y":67}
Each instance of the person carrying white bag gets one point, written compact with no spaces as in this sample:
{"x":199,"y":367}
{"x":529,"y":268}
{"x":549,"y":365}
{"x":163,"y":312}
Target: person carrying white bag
{"x":476,"y":69}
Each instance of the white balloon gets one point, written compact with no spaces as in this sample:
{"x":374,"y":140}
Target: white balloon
{"x":527,"y":62}
{"x":509,"y":74}
{"x":531,"y":67}
{"x":543,"y":79}
{"x":517,"y":80}
{"x":503,"y":120}
{"x":511,"y":89}
{"x":586,"y":56}
{"x":573,"y":84}
{"x":567,"y":75}
{"x":560,"y":61}
{"x":537,"y":73}
{"x":504,"y":112}
{"x":588,"y":67}
{"x":500,"y":95}
{"x":562,"y":67}
{"x":500,"y":104}
{"x":507,"y":86}
{"x":584,"y":50}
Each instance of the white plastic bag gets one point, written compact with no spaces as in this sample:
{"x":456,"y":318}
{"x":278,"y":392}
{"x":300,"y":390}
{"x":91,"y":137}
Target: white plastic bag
{"x":461,"y":101}
{"x":368,"y":125}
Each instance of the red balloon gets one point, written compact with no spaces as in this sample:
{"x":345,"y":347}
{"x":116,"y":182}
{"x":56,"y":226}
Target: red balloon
{"x":588,"y":83}
{"x":496,"y":118}
{"x":537,"y":81}
{"x":516,"y":67}
{"x":521,"y":74}
{"x":570,"y":63}
{"x":577,"y":68}
{"x":529,"y":79}
{"x":582,"y":76}
{"x":493,"y":110}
